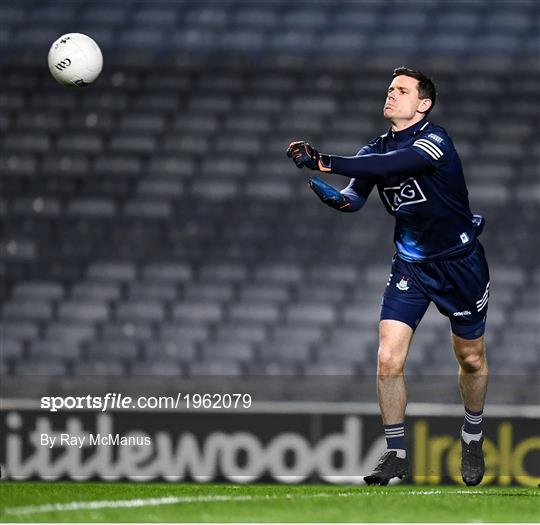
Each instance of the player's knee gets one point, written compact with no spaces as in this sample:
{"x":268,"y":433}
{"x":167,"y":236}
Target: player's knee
{"x":471,"y":354}
{"x":390,"y":361}
{"x":473,"y":361}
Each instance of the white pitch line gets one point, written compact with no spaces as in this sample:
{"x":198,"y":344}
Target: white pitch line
{"x":173,"y":500}
{"x":148,"y":502}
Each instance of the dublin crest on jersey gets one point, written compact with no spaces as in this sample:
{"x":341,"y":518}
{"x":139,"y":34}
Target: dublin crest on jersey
{"x":403,"y":284}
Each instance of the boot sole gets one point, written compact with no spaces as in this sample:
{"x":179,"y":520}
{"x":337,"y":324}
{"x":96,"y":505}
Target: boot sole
{"x":472,"y":483}
{"x":376,"y":480}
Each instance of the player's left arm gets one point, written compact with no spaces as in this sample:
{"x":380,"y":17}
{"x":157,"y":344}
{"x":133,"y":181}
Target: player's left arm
{"x":349,"y":199}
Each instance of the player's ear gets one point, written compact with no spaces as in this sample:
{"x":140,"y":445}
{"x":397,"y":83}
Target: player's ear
{"x":424,"y":105}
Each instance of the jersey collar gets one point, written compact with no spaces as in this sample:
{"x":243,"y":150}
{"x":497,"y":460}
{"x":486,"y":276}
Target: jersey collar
{"x":410,"y":131}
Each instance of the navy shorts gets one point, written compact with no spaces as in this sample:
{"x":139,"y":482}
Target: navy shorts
{"x":458,"y":287}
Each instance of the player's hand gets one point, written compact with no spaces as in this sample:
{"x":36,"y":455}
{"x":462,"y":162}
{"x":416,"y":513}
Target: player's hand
{"x":329,"y":195}
{"x":303,"y":154}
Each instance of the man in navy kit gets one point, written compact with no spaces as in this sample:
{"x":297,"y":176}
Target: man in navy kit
{"x":419,"y":178}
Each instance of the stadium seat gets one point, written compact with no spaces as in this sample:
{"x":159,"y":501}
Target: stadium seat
{"x":46,"y":121}
{"x":28,"y":309}
{"x":157,"y":368}
{"x":168,"y":272}
{"x":284,"y":333}
{"x":152,"y":290}
{"x":37,"y":34}
{"x":163,"y":188}
{"x":79,"y":143}
{"x":239,"y":332}
{"x":140,"y":38}
{"x":134,"y":311}
{"x":213,"y":15}
{"x":170,"y":350}
{"x":12,"y":349}
{"x":286,"y":352}
{"x":197,"y":311}
{"x":191,"y":332}
{"x":359,"y":314}
{"x":105,"y":13}
{"x":121,"y":349}
{"x":95,"y":290}
{"x":273,"y":369}
{"x":12,"y":14}
{"x":271,"y":190}
{"x":176,"y":167}
{"x":262,"y":104}
{"x":18,"y":165}
{"x":147,"y":208}
{"x":103,"y":368}
{"x":42,"y":367}
{"x":112,"y":271}
{"x":330,"y":369}
{"x":54,"y":349}
{"x":222,"y":350}
{"x":83,"y":311}
{"x":67,"y":165}
{"x":20,"y":330}
{"x":132,"y":144}
{"x":28,"y":142}
{"x":255,"y":312}
{"x":212,"y":291}
{"x":260,"y":16}
{"x":228,"y":272}
{"x":262,"y":292}
{"x":92,"y":207}
{"x":221,"y":368}
{"x":38,"y":290}
{"x":215,"y":189}
{"x":142,"y":121}
{"x":108,"y":100}
{"x":138,"y":331}
{"x":310,"y":313}
{"x":70,"y":332}
{"x":162,"y":103}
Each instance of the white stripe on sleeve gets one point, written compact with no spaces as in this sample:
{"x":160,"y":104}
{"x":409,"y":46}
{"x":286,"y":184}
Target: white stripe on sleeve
{"x":428,"y":151}
{"x":436,"y":152}
{"x":434,"y":146}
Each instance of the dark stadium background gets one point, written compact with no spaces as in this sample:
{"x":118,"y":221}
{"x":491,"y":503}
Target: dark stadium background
{"x":156,"y":239}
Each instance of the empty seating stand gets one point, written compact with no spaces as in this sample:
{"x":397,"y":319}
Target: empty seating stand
{"x":152,"y":224}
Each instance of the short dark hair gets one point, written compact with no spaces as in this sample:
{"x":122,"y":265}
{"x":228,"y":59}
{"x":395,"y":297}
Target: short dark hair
{"x":426,"y":87}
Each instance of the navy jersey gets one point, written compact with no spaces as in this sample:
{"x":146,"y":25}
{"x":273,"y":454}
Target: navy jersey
{"x":420,"y":181}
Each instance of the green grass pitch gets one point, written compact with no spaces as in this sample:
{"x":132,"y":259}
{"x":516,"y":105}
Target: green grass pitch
{"x":185,"y":502}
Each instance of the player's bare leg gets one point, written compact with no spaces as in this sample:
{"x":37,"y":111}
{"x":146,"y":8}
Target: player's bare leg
{"x":394,"y":342}
{"x":473,"y":380}
{"x":473,"y":371}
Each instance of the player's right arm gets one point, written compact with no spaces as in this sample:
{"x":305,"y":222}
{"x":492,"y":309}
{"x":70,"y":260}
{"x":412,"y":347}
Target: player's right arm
{"x":371,"y":166}
{"x":350,"y":198}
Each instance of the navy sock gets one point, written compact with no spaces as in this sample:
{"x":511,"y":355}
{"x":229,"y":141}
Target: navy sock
{"x":395,"y":436}
{"x":472,"y":424}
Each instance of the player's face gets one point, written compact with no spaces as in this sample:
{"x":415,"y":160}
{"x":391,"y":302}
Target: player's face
{"x":402,"y":101}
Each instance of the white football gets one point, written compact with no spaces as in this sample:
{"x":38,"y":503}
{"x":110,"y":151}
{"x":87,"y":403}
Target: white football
{"x":75,"y":60}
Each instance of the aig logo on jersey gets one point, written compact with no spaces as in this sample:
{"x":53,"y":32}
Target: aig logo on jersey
{"x":403,"y":284}
{"x":408,"y":192}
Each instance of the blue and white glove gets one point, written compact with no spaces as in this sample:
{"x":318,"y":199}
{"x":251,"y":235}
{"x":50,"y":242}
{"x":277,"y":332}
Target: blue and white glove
{"x":329,"y":195}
